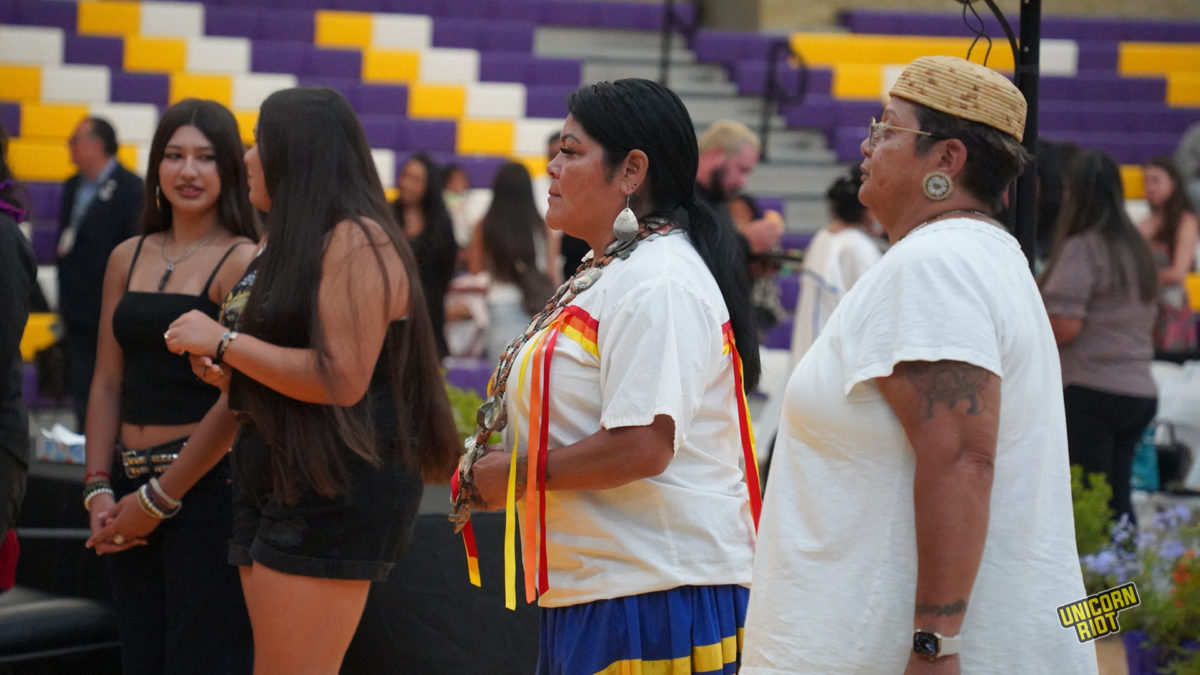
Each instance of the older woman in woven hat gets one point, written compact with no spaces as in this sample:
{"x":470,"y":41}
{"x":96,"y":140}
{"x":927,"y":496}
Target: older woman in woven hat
{"x":919,"y":515}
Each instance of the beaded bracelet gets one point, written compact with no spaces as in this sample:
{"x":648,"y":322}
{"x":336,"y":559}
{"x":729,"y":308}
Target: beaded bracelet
{"x":148,"y":506}
{"x":162,"y":495}
{"x":92,"y":489}
{"x":87,"y":476}
{"x":153,"y":506}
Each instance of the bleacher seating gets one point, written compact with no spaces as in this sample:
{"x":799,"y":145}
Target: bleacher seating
{"x":1129,"y":87}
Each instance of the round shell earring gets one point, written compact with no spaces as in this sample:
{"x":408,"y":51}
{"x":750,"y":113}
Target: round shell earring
{"x":937,"y":185}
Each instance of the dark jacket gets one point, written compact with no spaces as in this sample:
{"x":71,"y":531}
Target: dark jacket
{"x":18,"y":276}
{"x":106,"y":223}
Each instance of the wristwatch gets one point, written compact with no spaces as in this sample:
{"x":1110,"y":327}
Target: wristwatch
{"x":933,"y":646}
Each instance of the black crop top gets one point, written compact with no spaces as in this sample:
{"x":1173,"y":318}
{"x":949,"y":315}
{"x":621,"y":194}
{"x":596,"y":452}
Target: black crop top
{"x":158,"y":387}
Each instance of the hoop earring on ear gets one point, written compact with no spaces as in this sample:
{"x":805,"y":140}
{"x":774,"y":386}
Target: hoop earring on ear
{"x":626,"y":227}
{"x":937,"y":185}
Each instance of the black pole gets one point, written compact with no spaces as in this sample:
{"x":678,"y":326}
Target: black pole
{"x":664,"y":62}
{"x":1028,"y":68}
{"x":770,"y":96}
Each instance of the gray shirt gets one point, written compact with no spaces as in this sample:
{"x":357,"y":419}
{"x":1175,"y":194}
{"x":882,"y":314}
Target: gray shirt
{"x":1114,"y":348}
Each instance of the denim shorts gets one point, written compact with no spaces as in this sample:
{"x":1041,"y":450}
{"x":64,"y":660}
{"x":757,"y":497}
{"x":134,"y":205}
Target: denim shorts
{"x":358,"y":534}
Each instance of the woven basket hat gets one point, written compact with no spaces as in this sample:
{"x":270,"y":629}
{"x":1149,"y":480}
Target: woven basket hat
{"x":964,"y":89}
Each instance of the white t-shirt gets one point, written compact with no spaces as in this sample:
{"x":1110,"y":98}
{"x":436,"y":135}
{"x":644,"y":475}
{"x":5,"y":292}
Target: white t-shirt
{"x":833,"y":261}
{"x":647,"y":340}
{"x":836,"y":569}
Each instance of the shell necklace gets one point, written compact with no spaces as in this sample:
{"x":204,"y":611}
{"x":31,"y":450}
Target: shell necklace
{"x":492,"y":417}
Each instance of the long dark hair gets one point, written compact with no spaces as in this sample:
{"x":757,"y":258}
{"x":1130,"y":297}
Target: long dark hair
{"x":1096,"y":202}
{"x":843,"y":197}
{"x":220,"y":128}
{"x":1171,"y":211}
{"x":639,"y":114}
{"x":512,"y":223}
{"x":13,"y":201}
{"x":319,"y":172}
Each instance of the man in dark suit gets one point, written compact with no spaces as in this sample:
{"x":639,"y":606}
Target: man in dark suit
{"x":101,"y":206}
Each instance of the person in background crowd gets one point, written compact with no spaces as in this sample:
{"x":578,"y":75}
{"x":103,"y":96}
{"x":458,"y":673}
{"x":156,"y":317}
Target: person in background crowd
{"x":99,"y":209}
{"x":649,"y":530}
{"x":18,"y":278}
{"x":1172,"y":229}
{"x":728,"y":154}
{"x":422,"y":215}
{"x":838,"y":255}
{"x":1187,"y":158}
{"x":456,"y":194}
{"x":761,"y":233}
{"x":510,"y":244}
{"x":1101,"y":289}
{"x":179,"y":603}
{"x":328,"y":354}
{"x":918,"y":517}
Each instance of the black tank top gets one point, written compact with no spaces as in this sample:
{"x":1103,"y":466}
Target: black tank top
{"x":158,"y":387}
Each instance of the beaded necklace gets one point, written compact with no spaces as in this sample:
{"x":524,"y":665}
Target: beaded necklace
{"x":492,"y":416}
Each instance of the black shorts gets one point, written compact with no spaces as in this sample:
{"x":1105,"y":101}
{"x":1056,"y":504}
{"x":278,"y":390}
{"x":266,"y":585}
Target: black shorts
{"x":358,"y":534}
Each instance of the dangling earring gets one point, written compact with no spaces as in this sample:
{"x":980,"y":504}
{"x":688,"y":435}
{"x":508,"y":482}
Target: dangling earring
{"x":626,"y":227}
{"x":937,"y":185}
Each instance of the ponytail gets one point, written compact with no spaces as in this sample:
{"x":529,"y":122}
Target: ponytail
{"x":720,"y":247}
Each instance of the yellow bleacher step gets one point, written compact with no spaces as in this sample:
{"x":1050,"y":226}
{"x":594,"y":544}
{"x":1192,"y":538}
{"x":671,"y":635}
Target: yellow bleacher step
{"x":1157,"y":58}
{"x":50,"y":122}
{"x":39,"y":333}
{"x":218,"y":88}
{"x":1131,"y":176}
{"x":40,"y":160}
{"x":110,"y":17}
{"x":1192,"y":284}
{"x":830,"y":49}
{"x":390,"y":66}
{"x":342,"y":29}
{"x":485,"y":137}
{"x":437,"y":100}
{"x":155,"y":55}
{"x":20,"y":83}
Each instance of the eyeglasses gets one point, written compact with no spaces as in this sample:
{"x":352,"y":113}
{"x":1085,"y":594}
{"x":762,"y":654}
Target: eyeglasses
{"x":878,"y":128}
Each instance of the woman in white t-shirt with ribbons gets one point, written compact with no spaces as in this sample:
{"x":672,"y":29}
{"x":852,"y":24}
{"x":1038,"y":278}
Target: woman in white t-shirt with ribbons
{"x":919,"y":516}
{"x":625,"y":409}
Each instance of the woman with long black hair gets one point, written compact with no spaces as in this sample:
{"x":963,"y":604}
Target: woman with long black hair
{"x":638,"y":522}
{"x":421,"y":212}
{"x":510,"y":243}
{"x":1173,"y":230}
{"x":336,"y":380}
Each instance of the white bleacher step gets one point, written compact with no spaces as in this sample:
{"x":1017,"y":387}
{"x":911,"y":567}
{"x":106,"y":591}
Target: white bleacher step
{"x":683,"y":78}
{"x":593,"y":43}
{"x":792,"y":180}
{"x":805,"y":214}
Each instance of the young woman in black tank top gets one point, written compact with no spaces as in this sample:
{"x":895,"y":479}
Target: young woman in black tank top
{"x":179,"y":603}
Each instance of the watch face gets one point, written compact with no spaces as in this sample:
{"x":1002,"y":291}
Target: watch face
{"x":925,"y":644}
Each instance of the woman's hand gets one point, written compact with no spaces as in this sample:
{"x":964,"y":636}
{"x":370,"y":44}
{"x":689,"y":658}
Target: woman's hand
{"x":194,"y":333}
{"x":490,"y":478}
{"x":209,"y":372}
{"x":106,"y":532}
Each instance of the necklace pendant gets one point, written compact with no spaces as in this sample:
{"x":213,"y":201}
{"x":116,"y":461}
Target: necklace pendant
{"x":586,"y":279}
{"x":162,"y":283}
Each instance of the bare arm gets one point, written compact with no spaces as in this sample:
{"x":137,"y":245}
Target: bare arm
{"x":950,"y":412}
{"x":608,"y":458}
{"x":1065,"y":329}
{"x":104,"y":401}
{"x":351,"y":304}
{"x":1185,"y":251}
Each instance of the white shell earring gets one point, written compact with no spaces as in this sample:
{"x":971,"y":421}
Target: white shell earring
{"x":626,"y":227}
{"x":937,"y":185}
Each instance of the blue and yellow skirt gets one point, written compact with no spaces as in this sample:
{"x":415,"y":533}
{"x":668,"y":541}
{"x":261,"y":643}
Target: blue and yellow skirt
{"x":690,"y":629}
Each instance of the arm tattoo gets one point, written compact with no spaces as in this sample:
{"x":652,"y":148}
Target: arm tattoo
{"x":948,"y":382}
{"x":925,"y":609}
